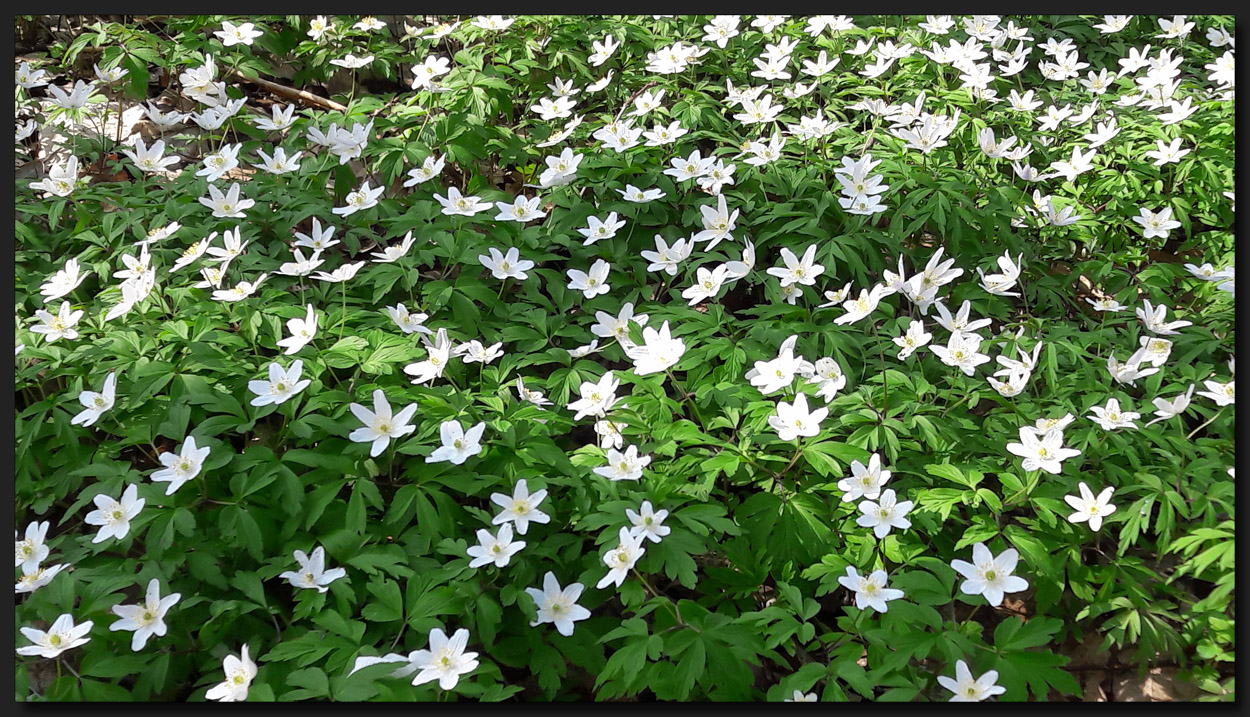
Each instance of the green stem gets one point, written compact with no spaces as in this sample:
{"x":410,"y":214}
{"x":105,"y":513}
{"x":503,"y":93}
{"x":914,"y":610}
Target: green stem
{"x":343,"y":320}
{"x":1205,"y":424}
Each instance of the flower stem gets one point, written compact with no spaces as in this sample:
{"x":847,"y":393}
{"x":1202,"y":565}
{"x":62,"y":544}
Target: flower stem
{"x":1205,"y":424}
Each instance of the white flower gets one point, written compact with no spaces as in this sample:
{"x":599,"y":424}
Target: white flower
{"x":320,"y":240}
{"x":430,"y":69}
{"x":220,"y":162}
{"x":1224,"y":394}
{"x":530,"y":395}
{"x":999,"y":284}
{"x":214,"y":117}
{"x":1090,"y":508}
{"x":1111,"y":417}
{"x":691,"y":167}
{"x":61,"y":636}
{"x":28,"y":78}
{"x":648,"y":523}
{"x":77,"y":98}
{"x":857,"y":309}
{"x":240,"y":671}
{"x":558,"y":137}
{"x":558,"y":605}
{"x":735,"y":270}
{"x":60,"y":326}
{"x":492,"y":22}
{"x":865,"y":481}
{"x":609,"y":326}
{"x":1166,"y":409}
{"x":182,"y":466}
{"x":521,"y":210}
{"x":884,"y":514}
{"x":352,"y":62}
{"x":800,"y":697}
{"x":609,"y":433}
{"x":63,"y":281}
{"x":458,"y":444}
{"x":660,"y":135}
{"x":506,"y":266}
{"x":312,"y":572}
{"x":96,"y":404}
{"x":114,"y":516}
{"x":146,"y":619}
{"x":438,"y":354}
{"x":150,"y":159}
{"x":35,"y":577}
{"x":1131,"y":370}
{"x":561,"y":169}
{"x":1015,"y":383}
{"x":666,"y":258}
{"x":279,"y":163}
{"x":596,"y":398}
{"x":772,"y":376}
{"x":342,"y":274}
{"x":1156,"y":224}
{"x":549,"y":109}
{"x":621,"y":558}
{"x":989,"y":575}
{"x":457,"y":204}
{"x":793,"y":419}
{"x":521,"y":507}
{"x":407,"y":321}
{"x":61,"y":179}
{"x":361,"y":199}
{"x":602,"y":50}
{"x":962,"y":351}
{"x":301,"y":266}
{"x":802,"y":271}
{"x":1166,"y":153}
{"x":624,"y":466}
{"x":915,"y":337}
{"x":659,"y":351}
{"x":429,"y":169}
{"x":1154,"y":319}
{"x":395,"y":252}
{"x":445,"y":660}
{"x":231,"y":34}
{"x":870,"y":590}
{"x":31,"y":550}
{"x":828,"y":378}
{"x":640,"y":196}
{"x":968,"y":689}
{"x":282,"y":384}
{"x":302,"y":332}
{"x":497,"y":549}
{"x":283,"y":116}
{"x":1044,"y":452}
{"x":227,"y":205}
{"x":718,"y":223}
{"x":593,"y":283}
{"x":1155,"y":350}
{"x":368,"y":23}
{"x":476,"y":352}
{"x":707,"y":283}
{"x":380,"y":424}
{"x":597,"y":229}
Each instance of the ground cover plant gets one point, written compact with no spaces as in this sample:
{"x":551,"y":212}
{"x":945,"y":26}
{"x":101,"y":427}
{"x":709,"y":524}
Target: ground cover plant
{"x":623,"y":357}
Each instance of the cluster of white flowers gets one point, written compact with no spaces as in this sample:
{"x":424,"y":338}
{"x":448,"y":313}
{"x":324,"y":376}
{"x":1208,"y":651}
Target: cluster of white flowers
{"x":1162,"y":95}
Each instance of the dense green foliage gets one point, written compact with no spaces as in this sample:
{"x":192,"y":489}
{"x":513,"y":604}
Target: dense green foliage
{"x":741,"y":600}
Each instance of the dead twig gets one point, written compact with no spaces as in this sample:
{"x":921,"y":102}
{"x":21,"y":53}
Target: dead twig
{"x":292,"y":93}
